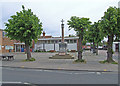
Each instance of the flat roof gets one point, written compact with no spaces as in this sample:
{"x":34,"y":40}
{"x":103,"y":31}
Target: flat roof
{"x":58,"y":38}
{"x":19,"y":43}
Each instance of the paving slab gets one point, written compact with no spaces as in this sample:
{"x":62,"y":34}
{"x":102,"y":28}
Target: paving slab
{"x":43,"y":62}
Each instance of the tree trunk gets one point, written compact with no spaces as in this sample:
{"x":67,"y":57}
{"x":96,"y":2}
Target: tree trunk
{"x":109,"y":49}
{"x":94,"y":47}
{"x":28,"y":51}
{"x":90,"y":47}
{"x":97,"y":49}
{"x":80,"y":48}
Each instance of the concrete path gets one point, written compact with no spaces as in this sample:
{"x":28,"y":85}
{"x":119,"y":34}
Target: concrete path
{"x":43,"y":62}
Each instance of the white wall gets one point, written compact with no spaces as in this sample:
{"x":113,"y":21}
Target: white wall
{"x":38,"y":46}
{"x":56,"y":47}
{"x":114,"y":47}
{"x":119,"y":47}
{"x":72,"y":46}
{"x":48,"y":47}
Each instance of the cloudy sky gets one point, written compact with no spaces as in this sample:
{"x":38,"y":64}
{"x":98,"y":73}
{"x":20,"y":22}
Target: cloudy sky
{"x":51,"y":12}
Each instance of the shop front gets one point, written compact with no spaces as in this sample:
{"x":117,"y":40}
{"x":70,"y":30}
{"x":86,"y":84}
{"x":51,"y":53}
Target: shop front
{"x":19,"y":47}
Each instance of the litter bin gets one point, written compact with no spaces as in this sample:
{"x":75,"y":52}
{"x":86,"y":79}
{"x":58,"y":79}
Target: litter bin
{"x":22,"y":49}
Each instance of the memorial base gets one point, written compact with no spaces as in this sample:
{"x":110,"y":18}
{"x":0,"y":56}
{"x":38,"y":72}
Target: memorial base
{"x":62,"y":54}
{"x":57,"y":56}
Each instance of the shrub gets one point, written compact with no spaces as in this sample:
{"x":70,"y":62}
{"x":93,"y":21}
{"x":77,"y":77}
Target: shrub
{"x":80,"y":61}
{"x":32,"y":59}
{"x":105,"y":61}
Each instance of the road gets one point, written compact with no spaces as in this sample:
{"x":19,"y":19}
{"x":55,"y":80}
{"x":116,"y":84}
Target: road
{"x":36,"y":76}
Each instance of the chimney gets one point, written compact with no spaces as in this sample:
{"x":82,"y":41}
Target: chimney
{"x":43,"y":34}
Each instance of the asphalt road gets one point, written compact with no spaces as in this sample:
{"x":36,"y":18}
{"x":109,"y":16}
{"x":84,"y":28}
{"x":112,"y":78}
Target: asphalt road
{"x":36,"y":76}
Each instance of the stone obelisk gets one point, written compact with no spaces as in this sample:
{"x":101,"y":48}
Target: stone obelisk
{"x":62,"y":26}
{"x":62,"y":45}
{"x":62,"y":48}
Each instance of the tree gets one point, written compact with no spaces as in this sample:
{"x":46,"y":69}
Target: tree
{"x":95,"y":36}
{"x":117,"y":35}
{"x":80,"y":25}
{"x":99,"y":36}
{"x":110,"y":29}
{"x":25,"y":27}
{"x":90,"y":36}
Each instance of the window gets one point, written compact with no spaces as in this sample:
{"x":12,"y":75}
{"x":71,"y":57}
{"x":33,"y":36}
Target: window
{"x":75,"y":41}
{"x":67,"y":41}
{"x":52,"y":41}
{"x":3,"y":34}
{"x":0,"y":47}
{"x":48,"y":41}
{"x":56,"y":41}
{"x":45,"y":41}
{"x":7,"y":47}
{"x":71,"y":41}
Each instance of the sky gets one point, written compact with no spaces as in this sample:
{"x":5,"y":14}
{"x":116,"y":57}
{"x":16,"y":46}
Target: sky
{"x":51,"y":12}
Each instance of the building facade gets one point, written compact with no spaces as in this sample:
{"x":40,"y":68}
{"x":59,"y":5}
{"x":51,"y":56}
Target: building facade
{"x":44,"y":43}
{"x":116,"y":46}
{"x":7,"y":45}
{"x":48,"y":43}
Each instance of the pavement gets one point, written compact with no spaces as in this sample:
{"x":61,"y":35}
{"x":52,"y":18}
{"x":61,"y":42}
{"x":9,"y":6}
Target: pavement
{"x":43,"y":62}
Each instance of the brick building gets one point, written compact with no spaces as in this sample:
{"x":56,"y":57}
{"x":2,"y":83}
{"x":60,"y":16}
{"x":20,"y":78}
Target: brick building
{"x":7,"y":45}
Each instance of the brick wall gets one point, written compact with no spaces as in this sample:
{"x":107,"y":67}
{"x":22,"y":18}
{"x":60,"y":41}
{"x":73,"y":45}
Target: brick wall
{"x":0,"y":41}
{"x":7,"y":42}
{"x":4,"y":41}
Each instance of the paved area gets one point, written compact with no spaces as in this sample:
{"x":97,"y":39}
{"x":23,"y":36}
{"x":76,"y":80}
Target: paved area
{"x":43,"y":62}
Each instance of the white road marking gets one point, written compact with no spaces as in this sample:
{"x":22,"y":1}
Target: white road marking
{"x":47,"y":70}
{"x":26,"y":83}
{"x":9,"y":68}
{"x":6,"y":82}
{"x":98,"y":73}
{"x":85,"y":73}
{"x":10,"y":82}
{"x":38,"y":70}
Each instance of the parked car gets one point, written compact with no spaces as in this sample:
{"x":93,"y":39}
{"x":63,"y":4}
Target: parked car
{"x":100,"y":47}
{"x":104,"y":47}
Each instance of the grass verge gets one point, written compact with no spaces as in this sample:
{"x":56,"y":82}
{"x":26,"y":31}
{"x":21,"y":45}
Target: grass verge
{"x":31,"y":59}
{"x":80,"y":61}
{"x":105,"y":61}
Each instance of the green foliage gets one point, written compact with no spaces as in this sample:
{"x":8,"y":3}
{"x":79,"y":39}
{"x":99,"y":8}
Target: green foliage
{"x":118,"y":26}
{"x":24,"y":26}
{"x":109,"y":22}
{"x":79,"y":24}
{"x":80,"y":61}
{"x":31,"y":59}
{"x":84,"y":42}
{"x":105,"y":61}
{"x":94,"y":33}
